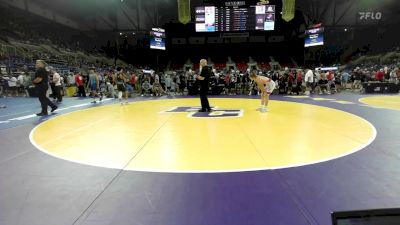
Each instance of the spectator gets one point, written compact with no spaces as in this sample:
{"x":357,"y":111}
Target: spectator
{"x":331,"y":82}
{"x":357,"y":79}
{"x":232,"y":85}
{"x":182,"y":84}
{"x":393,"y":76}
{"x":162,"y":80}
{"x":52,"y":84}
{"x":173,"y":86}
{"x":156,"y":77}
{"x":157,"y":88}
{"x":299,"y":82}
{"x":317,"y":77}
{"x":380,"y":75}
{"x":12,"y":86}
{"x":323,"y":84}
{"x":228,"y":81}
{"x":345,"y":79}
{"x":80,"y":84}
{"x":70,"y":79}
{"x":110,"y":88}
{"x":309,"y":79}
{"x":146,"y":88}
{"x":121,"y":81}
{"x":57,"y":80}
{"x":21,"y":84}
{"x":168,"y":83}
{"x":290,"y":82}
{"x":133,"y":81}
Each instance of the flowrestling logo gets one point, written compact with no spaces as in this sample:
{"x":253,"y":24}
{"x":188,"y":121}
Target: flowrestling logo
{"x":370,"y":15}
{"x":193,"y":112}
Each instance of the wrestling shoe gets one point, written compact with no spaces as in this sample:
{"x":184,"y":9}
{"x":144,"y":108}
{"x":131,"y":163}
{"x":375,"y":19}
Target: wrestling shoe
{"x":260,"y":107}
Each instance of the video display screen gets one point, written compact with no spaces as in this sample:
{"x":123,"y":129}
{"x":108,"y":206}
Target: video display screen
{"x":157,"y":39}
{"x":314,"y":37}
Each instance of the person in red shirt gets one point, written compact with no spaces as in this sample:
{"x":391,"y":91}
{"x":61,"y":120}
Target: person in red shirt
{"x":330,"y":76}
{"x":133,"y":81}
{"x":299,"y":82}
{"x":290,"y":82}
{"x":379,"y":75}
{"x":227,"y":83}
{"x":80,"y":84}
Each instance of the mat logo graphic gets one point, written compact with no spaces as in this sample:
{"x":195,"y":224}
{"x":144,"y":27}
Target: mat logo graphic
{"x":193,"y":112}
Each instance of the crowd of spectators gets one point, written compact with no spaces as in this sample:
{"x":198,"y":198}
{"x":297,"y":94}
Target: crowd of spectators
{"x":147,"y":82}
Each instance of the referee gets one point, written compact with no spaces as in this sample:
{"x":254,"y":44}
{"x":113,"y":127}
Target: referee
{"x":41,"y":81}
{"x":204,"y":79}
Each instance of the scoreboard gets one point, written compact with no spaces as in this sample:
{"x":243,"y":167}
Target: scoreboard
{"x":236,"y":18}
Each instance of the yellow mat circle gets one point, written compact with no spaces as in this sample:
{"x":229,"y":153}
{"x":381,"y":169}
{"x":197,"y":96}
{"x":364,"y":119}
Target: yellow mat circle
{"x":165,"y":136}
{"x":388,"y":102}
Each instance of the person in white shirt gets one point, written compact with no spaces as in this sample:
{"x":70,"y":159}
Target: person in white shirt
{"x":21,"y":84}
{"x":20,"y":80}
{"x":57,"y":85}
{"x":309,"y":79}
{"x":393,"y":76}
{"x":71,"y":79}
{"x":12,"y":85}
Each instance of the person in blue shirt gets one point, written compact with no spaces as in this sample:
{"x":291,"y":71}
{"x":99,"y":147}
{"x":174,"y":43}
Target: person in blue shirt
{"x":345,"y":79}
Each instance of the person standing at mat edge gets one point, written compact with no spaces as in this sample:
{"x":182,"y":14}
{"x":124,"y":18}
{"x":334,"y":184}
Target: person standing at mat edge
{"x":204,"y":78}
{"x":121,"y":80}
{"x":41,"y":82}
{"x":266,"y":86}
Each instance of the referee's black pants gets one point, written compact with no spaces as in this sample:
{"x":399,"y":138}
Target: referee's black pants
{"x":204,"y":100}
{"x":44,"y":100}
